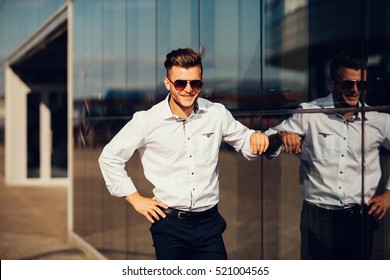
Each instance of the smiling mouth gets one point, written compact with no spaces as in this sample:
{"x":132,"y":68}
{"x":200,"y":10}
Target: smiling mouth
{"x":352,"y":99}
{"x":188,"y":95}
{"x":352,"y":95}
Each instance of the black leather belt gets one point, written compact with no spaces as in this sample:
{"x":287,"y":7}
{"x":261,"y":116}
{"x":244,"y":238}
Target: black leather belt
{"x":187,"y":215}
{"x":350,"y":210}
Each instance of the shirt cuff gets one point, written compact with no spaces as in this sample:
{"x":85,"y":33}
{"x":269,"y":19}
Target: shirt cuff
{"x":124,"y":188}
{"x":246,"y":149}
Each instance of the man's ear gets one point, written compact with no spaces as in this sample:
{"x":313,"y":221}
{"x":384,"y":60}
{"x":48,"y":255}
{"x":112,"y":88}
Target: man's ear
{"x":330,"y":84}
{"x":167,"y":84}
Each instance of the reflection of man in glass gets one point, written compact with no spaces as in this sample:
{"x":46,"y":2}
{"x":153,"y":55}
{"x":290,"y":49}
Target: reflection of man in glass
{"x":178,"y":141}
{"x":332,"y":223}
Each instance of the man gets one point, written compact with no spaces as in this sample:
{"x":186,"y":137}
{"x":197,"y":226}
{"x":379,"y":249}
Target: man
{"x":333,"y":224}
{"x":178,"y":141}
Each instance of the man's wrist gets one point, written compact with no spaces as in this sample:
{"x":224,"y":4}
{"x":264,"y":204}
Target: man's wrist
{"x":130,"y":198}
{"x":282,"y":132}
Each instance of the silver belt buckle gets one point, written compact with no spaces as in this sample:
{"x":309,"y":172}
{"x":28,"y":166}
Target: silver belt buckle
{"x":181,"y":215}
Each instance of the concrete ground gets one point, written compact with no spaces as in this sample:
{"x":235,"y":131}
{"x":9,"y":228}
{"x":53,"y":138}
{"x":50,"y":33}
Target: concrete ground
{"x":33,"y":224}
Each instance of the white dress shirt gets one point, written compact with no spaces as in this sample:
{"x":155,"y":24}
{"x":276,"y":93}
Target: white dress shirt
{"x":331,"y":159}
{"x":179,"y":157}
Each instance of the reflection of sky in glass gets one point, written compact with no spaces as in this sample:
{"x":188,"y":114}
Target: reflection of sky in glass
{"x":230,"y":36}
{"x":18,"y":20}
{"x":115,"y":41}
{"x":116,"y":46}
{"x":122,"y":44}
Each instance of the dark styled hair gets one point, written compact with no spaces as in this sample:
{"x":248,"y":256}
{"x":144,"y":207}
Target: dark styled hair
{"x":183,"y":57}
{"x":347,"y":59}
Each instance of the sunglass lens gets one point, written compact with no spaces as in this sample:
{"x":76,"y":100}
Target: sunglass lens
{"x":347,"y":84}
{"x":196,"y":85}
{"x":350,"y":84}
{"x":180,"y":84}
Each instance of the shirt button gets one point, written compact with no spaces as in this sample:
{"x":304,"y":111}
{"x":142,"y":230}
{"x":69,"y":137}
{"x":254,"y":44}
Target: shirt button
{"x":190,"y":156}
{"x":342,"y":155}
{"x":188,"y":138}
{"x":192,"y":173}
{"x":341,"y":172}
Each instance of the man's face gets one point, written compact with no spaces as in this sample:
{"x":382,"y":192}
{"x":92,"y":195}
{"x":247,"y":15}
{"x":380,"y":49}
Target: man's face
{"x":347,"y":87}
{"x":183,"y":99}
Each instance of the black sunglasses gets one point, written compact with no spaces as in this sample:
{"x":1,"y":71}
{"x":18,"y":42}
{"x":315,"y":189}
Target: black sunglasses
{"x":349,"y":84}
{"x":180,"y":85}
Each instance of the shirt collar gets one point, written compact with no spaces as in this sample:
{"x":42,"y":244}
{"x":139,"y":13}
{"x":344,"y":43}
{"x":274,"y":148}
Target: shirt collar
{"x":200,"y":107}
{"x":328,"y":102}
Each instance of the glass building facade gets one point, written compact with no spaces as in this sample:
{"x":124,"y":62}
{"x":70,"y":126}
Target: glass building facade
{"x":261,"y":59}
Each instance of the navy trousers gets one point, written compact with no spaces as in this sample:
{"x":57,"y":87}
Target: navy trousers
{"x":336,"y":234}
{"x":193,"y":239}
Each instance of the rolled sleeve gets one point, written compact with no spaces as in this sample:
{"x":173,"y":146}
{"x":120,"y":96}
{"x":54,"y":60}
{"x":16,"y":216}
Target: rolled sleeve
{"x":117,"y":181}
{"x":246,"y":148}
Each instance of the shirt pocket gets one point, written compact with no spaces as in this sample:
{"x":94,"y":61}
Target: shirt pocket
{"x":324,"y":146}
{"x":207,"y":145}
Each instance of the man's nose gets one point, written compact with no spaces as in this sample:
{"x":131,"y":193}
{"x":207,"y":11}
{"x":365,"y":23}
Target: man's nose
{"x":188,"y":87}
{"x":355,"y":88}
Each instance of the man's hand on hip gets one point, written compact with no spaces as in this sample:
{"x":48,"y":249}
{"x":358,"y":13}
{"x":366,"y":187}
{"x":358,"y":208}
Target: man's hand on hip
{"x":149,"y":207}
